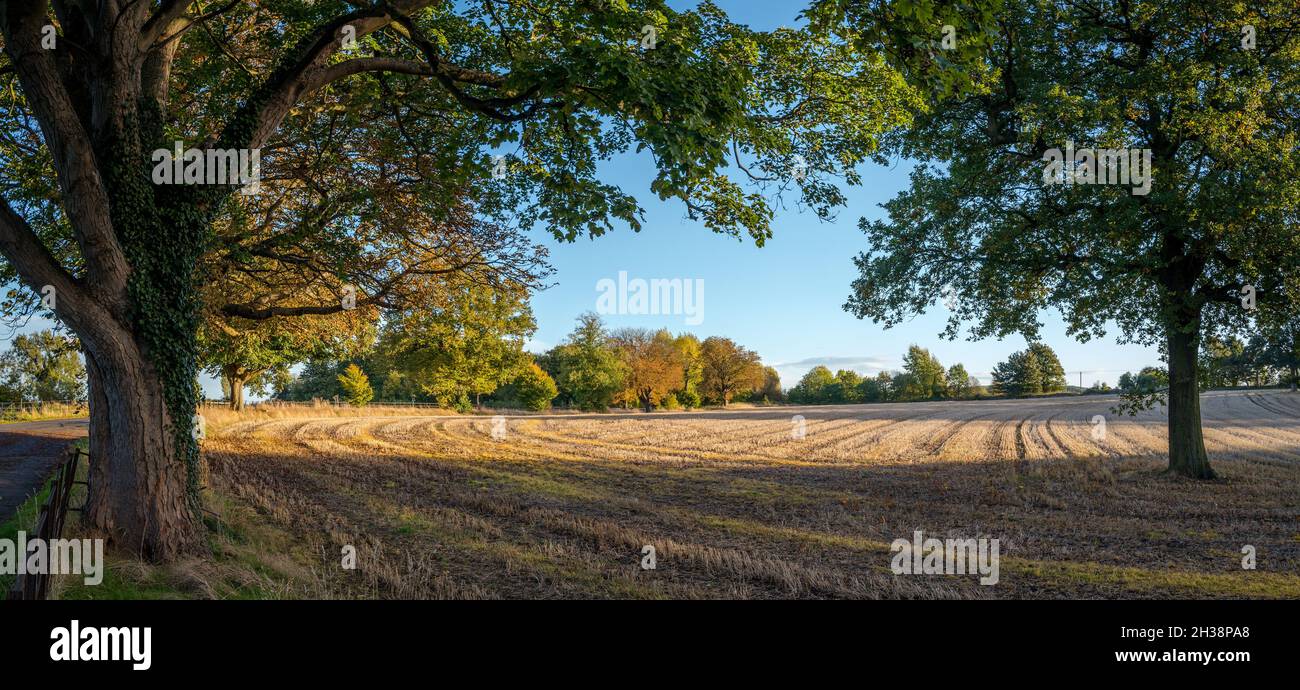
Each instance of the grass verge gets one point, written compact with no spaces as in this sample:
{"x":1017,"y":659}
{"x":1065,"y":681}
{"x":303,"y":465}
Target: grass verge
{"x":15,"y":414}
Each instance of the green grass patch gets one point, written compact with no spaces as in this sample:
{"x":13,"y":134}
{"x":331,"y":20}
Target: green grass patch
{"x":15,"y":414}
{"x":23,"y":520}
{"x":250,"y":559}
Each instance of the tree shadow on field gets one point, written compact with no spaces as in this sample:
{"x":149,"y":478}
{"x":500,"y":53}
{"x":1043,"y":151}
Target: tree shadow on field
{"x":1084,"y":526}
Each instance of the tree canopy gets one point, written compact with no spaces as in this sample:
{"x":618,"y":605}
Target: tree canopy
{"x":363,"y":116}
{"x":42,"y":366}
{"x":989,"y":220}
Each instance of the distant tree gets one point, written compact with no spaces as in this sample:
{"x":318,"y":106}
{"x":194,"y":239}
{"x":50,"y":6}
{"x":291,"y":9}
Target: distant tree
{"x":727,"y":369}
{"x":769,"y":391}
{"x":1126,"y":381}
{"x":813,"y":388}
{"x":43,"y":366}
{"x":1148,"y":381}
{"x":959,"y":382}
{"x":927,"y":376}
{"x":317,"y":380}
{"x":874,"y":388}
{"x":688,"y":351}
{"x":466,"y":342}
{"x":688,"y":399}
{"x":534,"y":388}
{"x":844,"y":390}
{"x":251,"y":354}
{"x":356,"y":386}
{"x":903,"y":386}
{"x":1259,"y":360}
{"x":652,"y":364}
{"x":1283,"y":349}
{"x":1031,"y":374}
{"x":885,"y":386}
{"x":1020,"y":374}
{"x":1223,"y":362}
{"x":1153,"y":378}
{"x":586,"y":370}
{"x":1049,"y":366}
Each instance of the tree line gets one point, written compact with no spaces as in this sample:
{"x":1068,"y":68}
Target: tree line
{"x":1034,"y":371}
{"x":376,"y":183}
{"x":594,"y":368}
{"x":42,"y":366}
{"x":1266,"y":358}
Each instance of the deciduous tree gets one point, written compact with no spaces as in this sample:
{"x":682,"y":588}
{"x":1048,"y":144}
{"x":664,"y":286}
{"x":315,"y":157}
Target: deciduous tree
{"x":43,"y":366}
{"x":356,"y":386}
{"x":727,"y":369}
{"x":556,"y":87}
{"x":652,"y":364}
{"x":535,"y":388}
{"x":813,"y":387}
{"x":1049,"y":366}
{"x":586,"y":370}
{"x":928,"y":378}
{"x":465,"y":340}
{"x":987,"y":220}
{"x":959,"y":383}
{"x":1020,"y":374}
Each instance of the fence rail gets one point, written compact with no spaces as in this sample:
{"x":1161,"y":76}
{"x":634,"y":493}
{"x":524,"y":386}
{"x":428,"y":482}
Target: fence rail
{"x":49,"y":524}
{"x":14,"y":410}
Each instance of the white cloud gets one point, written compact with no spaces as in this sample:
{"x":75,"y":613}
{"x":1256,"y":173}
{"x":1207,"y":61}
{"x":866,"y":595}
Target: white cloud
{"x":536,"y":346}
{"x":867,"y":365}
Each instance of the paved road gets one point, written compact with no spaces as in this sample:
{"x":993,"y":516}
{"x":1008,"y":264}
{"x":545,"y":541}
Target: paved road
{"x":29,"y":451}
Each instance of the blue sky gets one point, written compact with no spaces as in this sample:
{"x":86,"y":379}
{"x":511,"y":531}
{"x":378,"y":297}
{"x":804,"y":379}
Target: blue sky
{"x":783,"y":300}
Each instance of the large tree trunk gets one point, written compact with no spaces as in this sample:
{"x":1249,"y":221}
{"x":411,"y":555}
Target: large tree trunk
{"x":1186,"y":444}
{"x":138,"y":492}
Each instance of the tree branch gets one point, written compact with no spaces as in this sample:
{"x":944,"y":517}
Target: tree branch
{"x":272,"y":101}
{"x":38,"y":268}
{"x":85,"y":196}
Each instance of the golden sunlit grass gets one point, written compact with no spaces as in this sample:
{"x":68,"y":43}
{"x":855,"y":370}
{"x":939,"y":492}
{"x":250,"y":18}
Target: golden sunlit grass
{"x":37,"y":411}
{"x":736,"y":505}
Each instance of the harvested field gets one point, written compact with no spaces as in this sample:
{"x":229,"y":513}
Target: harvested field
{"x":738,"y":505}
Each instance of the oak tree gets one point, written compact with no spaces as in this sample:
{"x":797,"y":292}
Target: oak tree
{"x":552,"y":87}
{"x":1167,"y":257}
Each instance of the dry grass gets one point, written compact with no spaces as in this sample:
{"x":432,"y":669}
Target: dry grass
{"x":31,"y":412}
{"x":220,"y":414}
{"x":737,"y":507}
